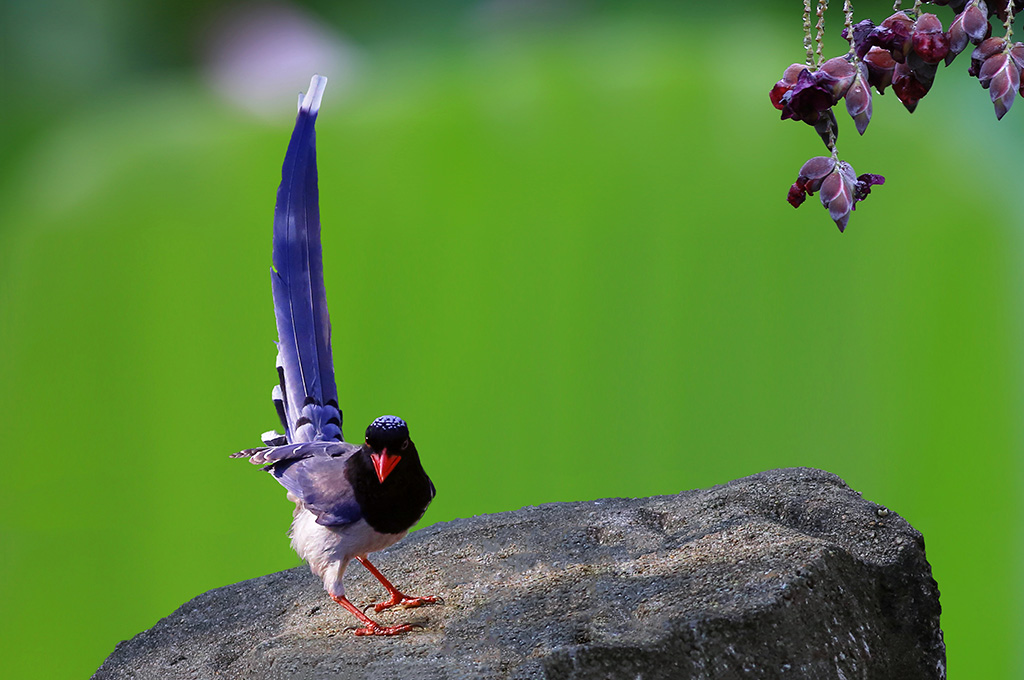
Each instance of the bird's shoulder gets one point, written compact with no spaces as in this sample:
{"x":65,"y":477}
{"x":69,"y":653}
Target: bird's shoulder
{"x":317,"y":477}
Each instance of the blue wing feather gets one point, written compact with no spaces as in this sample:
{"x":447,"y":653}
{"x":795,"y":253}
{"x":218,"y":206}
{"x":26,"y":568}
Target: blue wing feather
{"x":314,"y":472}
{"x":306,"y":370}
{"x":270,"y":455}
{"x":322,"y":485}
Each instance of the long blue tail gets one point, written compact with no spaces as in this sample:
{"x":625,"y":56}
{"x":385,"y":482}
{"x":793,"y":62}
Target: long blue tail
{"x":307,"y":398}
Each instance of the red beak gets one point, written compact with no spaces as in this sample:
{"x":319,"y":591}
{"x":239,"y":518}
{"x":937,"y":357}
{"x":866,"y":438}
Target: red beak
{"x":384,"y":463}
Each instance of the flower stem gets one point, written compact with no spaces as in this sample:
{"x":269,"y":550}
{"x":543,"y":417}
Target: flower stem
{"x":808,"y":40}
{"x":848,"y":23}
{"x":819,"y":37}
{"x":1008,"y":24}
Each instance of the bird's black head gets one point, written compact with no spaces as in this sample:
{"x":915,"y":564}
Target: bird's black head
{"x":388,"y":440}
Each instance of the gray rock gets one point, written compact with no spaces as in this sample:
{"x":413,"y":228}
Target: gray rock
{"x":787,"y":573}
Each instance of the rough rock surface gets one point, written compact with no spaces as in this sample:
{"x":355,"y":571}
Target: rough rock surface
{"x":787,"y":573}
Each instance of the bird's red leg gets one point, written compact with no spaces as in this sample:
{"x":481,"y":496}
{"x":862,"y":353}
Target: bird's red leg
{"x":397,"y":597}
{"x":372,"y":627}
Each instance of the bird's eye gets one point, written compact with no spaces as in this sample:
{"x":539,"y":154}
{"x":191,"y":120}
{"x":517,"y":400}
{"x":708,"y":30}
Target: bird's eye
{"x":405,"y":444}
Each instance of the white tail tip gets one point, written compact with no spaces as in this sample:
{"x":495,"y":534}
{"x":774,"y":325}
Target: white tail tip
{"x":311,"y":101}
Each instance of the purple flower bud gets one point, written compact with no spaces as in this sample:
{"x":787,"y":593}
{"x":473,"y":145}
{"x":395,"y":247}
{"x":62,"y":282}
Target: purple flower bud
{"x":894,"y":36}
{"x":814,"y":171}
{"x":862,"y":36}
{"x":880,"y":68}
{"x":811,"y":96}
{"x":796,"y":196}
{"x":1000,"y":75}
{"x":1017,"y":54}
{"x":923,"y":71}
{"x":858,"y":100}
{"x":840,"y":188}
{"x":907,"y":87}
{"x":863,"y":188}
{"x":789,"y":79}
{"x":975,"y":21}
{"x":843,"y":72}
{"x":957,"y":38}
{"x":986,"y":49}
{"x":970,"y":26}
{"x":930,"y":42}
{"x":837,"y":193}
{"x":897,"y":36}
{"x":809,"y":179}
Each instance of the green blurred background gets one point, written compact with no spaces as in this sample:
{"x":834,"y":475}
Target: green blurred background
{"x":557,"y":243}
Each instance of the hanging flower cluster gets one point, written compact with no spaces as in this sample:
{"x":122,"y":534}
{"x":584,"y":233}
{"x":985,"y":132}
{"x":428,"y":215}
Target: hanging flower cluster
{"x":840,"y":188}
{"x":903,"y":52}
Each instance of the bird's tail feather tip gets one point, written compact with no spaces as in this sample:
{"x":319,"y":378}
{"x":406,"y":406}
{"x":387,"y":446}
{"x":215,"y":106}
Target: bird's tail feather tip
{"x":310,"y":102}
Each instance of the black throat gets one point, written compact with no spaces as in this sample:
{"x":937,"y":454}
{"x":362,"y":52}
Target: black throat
{"x":398,"y":503}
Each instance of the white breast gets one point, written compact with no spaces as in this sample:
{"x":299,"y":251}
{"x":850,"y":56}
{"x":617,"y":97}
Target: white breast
{"x":329,"y":549}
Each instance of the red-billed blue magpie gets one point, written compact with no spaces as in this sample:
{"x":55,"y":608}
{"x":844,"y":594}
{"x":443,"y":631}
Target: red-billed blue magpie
{"x":350,"y":500}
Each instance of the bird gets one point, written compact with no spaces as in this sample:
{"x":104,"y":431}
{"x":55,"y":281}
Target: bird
{"x":350,"y":499}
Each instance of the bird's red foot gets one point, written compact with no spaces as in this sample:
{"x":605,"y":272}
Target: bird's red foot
{"x":370,"y":627}
{"x":398,"y":598}
{"x":377,"y":629}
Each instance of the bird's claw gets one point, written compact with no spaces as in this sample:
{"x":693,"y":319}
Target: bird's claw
{"x":405,"y":601}
{"x":377,"y":629}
